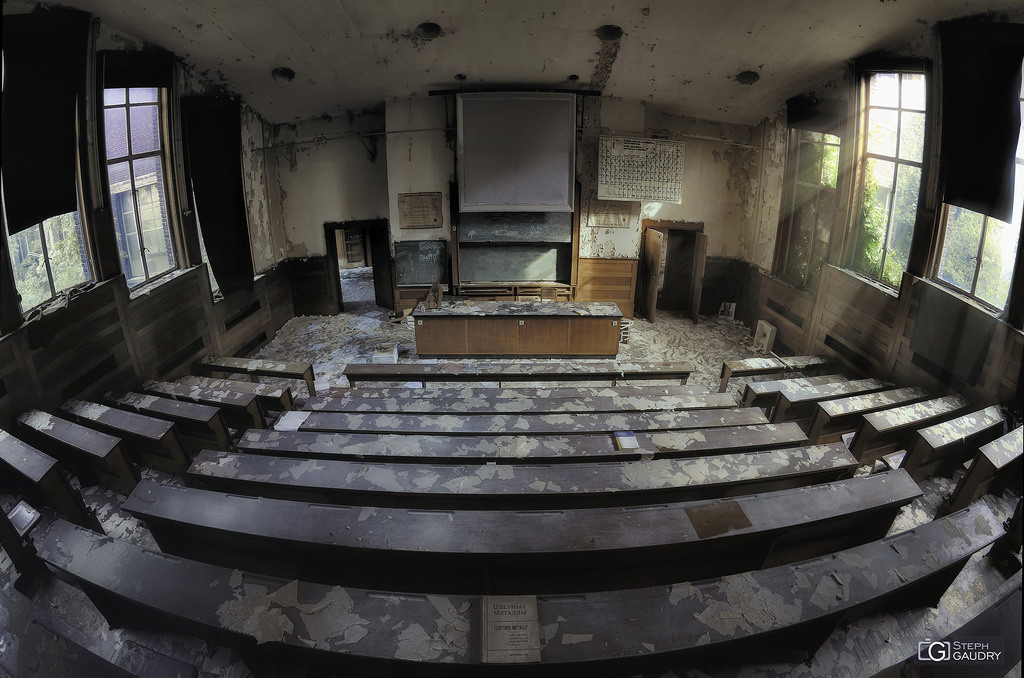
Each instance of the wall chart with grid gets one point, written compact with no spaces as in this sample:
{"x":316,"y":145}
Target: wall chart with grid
{"x":631,"y":168}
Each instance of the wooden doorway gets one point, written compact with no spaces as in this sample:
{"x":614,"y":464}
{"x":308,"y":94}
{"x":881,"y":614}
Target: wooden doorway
{"x":353,"y":245}
{"x":671,"y":267}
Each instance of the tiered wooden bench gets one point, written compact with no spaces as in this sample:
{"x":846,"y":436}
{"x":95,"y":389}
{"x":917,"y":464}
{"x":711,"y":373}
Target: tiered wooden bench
{"x":833,"y":418}
{"x":526,"y":424}
{"x":891,"y":429}
{"x":96,"y":457}
{"x":617,"y":632}
{"x":796,"y":403}
{"x":941,"y":448}
{"x":504,"y":373}
{"x":765,"y":394}
{"x":257,"y":367}
{"x":273,"y":398}
{"x":45,"y":482}
{"x":513,"y":448}
{"x":989,"y":471}
{"x":515,"y":391}
{"x":592,"y":548}
{"x":199,"y":426}
{"x":519,"y":487}
{"x":241,"y":410}
{"x":755,"y":367}
{"x":487,"y":403}
{"x":149,"y":440}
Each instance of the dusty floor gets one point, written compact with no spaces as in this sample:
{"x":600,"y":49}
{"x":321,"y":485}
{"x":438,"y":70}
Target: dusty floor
{"x":864,"y":647}
{"x":331,"y":342}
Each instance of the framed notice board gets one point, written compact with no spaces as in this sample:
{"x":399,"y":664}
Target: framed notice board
{"x":630,"y":168}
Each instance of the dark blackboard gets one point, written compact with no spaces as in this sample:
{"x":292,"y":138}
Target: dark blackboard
{"x":515,"y":263}
{"x":533,"y":227}
{"x":421,"y":262}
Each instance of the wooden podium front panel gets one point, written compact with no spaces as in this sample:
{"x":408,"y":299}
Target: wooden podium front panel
{"x":594,"y":336}
{"x":495,"y":335}
{"x":441,"y":335}
{"x":539,"y":335}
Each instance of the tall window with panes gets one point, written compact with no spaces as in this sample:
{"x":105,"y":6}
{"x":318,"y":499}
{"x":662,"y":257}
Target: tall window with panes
{"x":978,"y":251}
{"x":891,"y":135}
{"x":133,"y":125}
{"x":811,"y":206}
{"x":49,"y":258}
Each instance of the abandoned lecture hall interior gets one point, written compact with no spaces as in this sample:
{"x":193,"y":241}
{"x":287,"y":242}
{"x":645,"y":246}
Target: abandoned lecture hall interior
{"x":653,"y":338}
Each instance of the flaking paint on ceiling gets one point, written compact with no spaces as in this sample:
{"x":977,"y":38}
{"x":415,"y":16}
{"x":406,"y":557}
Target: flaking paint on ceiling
{"x":680,"y":56}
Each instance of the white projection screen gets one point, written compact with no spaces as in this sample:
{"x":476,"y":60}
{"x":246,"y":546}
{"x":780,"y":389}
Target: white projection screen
{"x":516,"y":151}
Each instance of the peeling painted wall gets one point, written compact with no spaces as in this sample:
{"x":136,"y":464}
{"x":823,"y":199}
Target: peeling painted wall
{"x":732,"y":182}
{"x":420,"y":159}
{"x":326,"y":170}
{"x":265,"y":234}
{"x":606,"y":116}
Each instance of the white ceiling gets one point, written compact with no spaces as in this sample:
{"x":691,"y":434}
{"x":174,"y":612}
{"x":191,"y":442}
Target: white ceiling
{"x":681,"y":56}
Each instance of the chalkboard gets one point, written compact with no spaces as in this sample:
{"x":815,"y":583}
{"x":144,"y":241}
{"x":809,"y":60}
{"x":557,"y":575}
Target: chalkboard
{"x":515,"y":227}
{"x":514,"y":263}
{"x":420,"y":262}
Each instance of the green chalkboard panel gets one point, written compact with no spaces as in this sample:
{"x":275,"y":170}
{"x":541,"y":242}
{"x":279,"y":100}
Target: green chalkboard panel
{"x":421,"y":262}
{"x":515,"y":263}
{"x":531,"y":227}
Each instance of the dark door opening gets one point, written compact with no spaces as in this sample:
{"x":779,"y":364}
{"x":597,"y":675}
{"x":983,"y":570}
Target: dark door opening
{"x":358,"y":258}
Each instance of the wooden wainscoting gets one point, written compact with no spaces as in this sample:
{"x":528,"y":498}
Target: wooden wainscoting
{"x":608,"y":280}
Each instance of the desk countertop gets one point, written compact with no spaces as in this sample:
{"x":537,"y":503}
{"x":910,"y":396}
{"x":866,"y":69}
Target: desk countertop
{"x":602,"y":309}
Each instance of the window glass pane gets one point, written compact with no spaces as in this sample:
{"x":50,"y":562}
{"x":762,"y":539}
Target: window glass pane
{"x":830,"y":166}
{"x":874,"y":216}
{"x":115,"y":129}
{"x":113,"y":97}
{"x":901,"y":229}
{"x":804,"y":217}
{"x":29,"y":266}
{"x":914,"y":91}
{"x":882,"y":131}
{"x":960,"y":248}
{"x":809,"y":163}
{"x":145,"y":129}
{"x":142,"y":95}
{"x":912,"y":136}
{"x":152,"y":213}
{"x":884,"y":90}
{"x":1001,"y":241}
{"x":65,"y":244}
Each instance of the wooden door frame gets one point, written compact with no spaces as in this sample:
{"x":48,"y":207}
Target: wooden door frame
{"x":331,"y":229}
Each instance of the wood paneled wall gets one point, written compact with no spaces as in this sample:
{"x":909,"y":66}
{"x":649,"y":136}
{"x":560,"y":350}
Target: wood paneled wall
{"x":103,"y":339}
{"x":869,"y":328}
{"x":608,"y":280}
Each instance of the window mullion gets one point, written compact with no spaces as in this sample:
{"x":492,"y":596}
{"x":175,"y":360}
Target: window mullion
{"x":46,"y":261}
{"x":979,"y":259}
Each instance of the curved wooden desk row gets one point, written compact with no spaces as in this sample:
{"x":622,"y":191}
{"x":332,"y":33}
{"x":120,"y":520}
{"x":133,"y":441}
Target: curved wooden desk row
{"x":519,"y":486}
{"x":507,"y":372}
{"x":617,"y":632}
{"x":520,"y":551}
{"x":524,"y":424}
{"x":496,"y":404}
{"x":512,"y":448}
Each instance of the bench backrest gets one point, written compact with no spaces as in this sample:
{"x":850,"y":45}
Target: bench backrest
{"x":456,"y":550}
{"x":519,"y":487}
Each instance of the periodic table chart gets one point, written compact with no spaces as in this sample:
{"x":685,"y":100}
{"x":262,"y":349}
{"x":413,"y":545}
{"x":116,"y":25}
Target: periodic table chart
{"x":631,"y":168}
